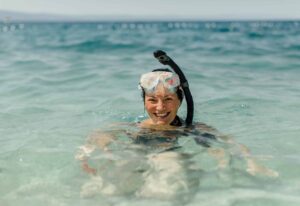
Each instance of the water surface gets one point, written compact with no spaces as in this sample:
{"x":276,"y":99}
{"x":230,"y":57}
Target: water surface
{"x":61,"y":81}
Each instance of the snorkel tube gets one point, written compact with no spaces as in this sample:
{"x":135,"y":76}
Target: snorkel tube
{"x":163,"y":58}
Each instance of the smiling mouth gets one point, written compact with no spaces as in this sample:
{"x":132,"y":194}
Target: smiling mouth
{"x":162,"y":115}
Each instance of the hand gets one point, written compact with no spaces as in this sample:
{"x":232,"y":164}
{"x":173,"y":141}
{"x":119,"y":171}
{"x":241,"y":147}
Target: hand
{"x":220,"y":155}
{"x":88,"y":169}
{"x":254,"y":168}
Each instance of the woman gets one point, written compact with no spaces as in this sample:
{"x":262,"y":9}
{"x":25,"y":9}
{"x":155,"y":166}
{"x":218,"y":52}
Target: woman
{"x":163,"y":92}
{"x":167,"y":172}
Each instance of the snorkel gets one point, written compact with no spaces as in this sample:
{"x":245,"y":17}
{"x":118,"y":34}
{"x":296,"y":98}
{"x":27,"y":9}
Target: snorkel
{"x":164,"y":59}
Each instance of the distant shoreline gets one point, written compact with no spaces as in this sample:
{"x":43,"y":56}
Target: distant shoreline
{"x":22,"y":17}
{"x":145,"y":21}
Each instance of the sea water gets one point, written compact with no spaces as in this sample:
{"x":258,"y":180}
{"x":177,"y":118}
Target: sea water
{"x":60,"y":82}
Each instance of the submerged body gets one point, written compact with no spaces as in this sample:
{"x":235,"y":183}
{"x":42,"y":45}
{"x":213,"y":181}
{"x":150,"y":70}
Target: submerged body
{"x":148,"y":162}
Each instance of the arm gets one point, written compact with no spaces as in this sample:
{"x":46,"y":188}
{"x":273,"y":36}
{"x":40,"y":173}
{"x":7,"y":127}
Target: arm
{"x":96,"y":140}
{"x":253,"y":167}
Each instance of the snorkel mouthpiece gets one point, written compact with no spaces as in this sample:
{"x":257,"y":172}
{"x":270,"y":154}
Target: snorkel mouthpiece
{"x":161,"y":56}
{"x":164,"y":59}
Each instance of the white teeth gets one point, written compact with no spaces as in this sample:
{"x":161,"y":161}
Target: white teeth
{"x":162,"y":115}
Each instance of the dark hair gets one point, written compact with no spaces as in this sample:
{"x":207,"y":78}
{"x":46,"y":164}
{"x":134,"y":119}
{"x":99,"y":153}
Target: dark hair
{"x":178,"y":91}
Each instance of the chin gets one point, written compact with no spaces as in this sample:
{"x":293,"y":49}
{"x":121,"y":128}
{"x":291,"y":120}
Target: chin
{"x":162,"y":122}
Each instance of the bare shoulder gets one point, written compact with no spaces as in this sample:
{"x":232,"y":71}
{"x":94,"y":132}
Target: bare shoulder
{"x":204,"y":127}
{"x":108,"y":133}
{"x":120,"y":124}
{"x":145,"y":123}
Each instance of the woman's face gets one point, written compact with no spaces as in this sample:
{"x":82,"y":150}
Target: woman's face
{"x":162,"y":106}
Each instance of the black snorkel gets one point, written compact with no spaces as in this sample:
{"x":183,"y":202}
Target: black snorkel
{"x":163,"y":58}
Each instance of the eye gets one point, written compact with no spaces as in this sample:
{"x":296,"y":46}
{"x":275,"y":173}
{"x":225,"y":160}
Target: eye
{"x":151,"y":100}
{"x":168,"y":99}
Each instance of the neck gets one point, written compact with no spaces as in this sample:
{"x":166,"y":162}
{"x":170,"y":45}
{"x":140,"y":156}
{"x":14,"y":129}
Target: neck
{"x":176,"y":122}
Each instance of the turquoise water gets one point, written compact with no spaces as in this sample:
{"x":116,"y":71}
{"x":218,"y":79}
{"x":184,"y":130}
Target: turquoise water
{"x":61,"y":81}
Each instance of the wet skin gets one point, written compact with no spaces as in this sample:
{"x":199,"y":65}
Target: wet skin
{"x":161,"y":106}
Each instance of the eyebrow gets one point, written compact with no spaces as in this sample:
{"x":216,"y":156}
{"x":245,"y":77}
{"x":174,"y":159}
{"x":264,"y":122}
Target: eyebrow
{"x":152,"y":96}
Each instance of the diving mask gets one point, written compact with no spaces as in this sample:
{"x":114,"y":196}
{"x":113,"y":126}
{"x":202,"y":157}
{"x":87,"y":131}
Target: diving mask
{"x":151,"y":80}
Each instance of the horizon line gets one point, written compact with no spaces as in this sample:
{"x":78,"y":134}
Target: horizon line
{"x":32,"y":17}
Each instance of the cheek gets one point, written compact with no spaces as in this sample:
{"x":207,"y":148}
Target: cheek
{"x":149,"y":107}
{"x":174,"y":106}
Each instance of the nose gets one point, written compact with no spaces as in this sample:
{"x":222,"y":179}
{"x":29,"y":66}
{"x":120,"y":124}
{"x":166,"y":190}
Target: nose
{"x":160,"y":105}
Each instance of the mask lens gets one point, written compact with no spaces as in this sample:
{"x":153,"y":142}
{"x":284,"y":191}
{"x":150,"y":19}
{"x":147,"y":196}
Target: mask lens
{"x":171,"y":81}
{"x":150,"y":81}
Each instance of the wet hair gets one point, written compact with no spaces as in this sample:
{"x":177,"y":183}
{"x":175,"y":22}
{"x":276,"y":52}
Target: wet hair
{"x":179,"y":91}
